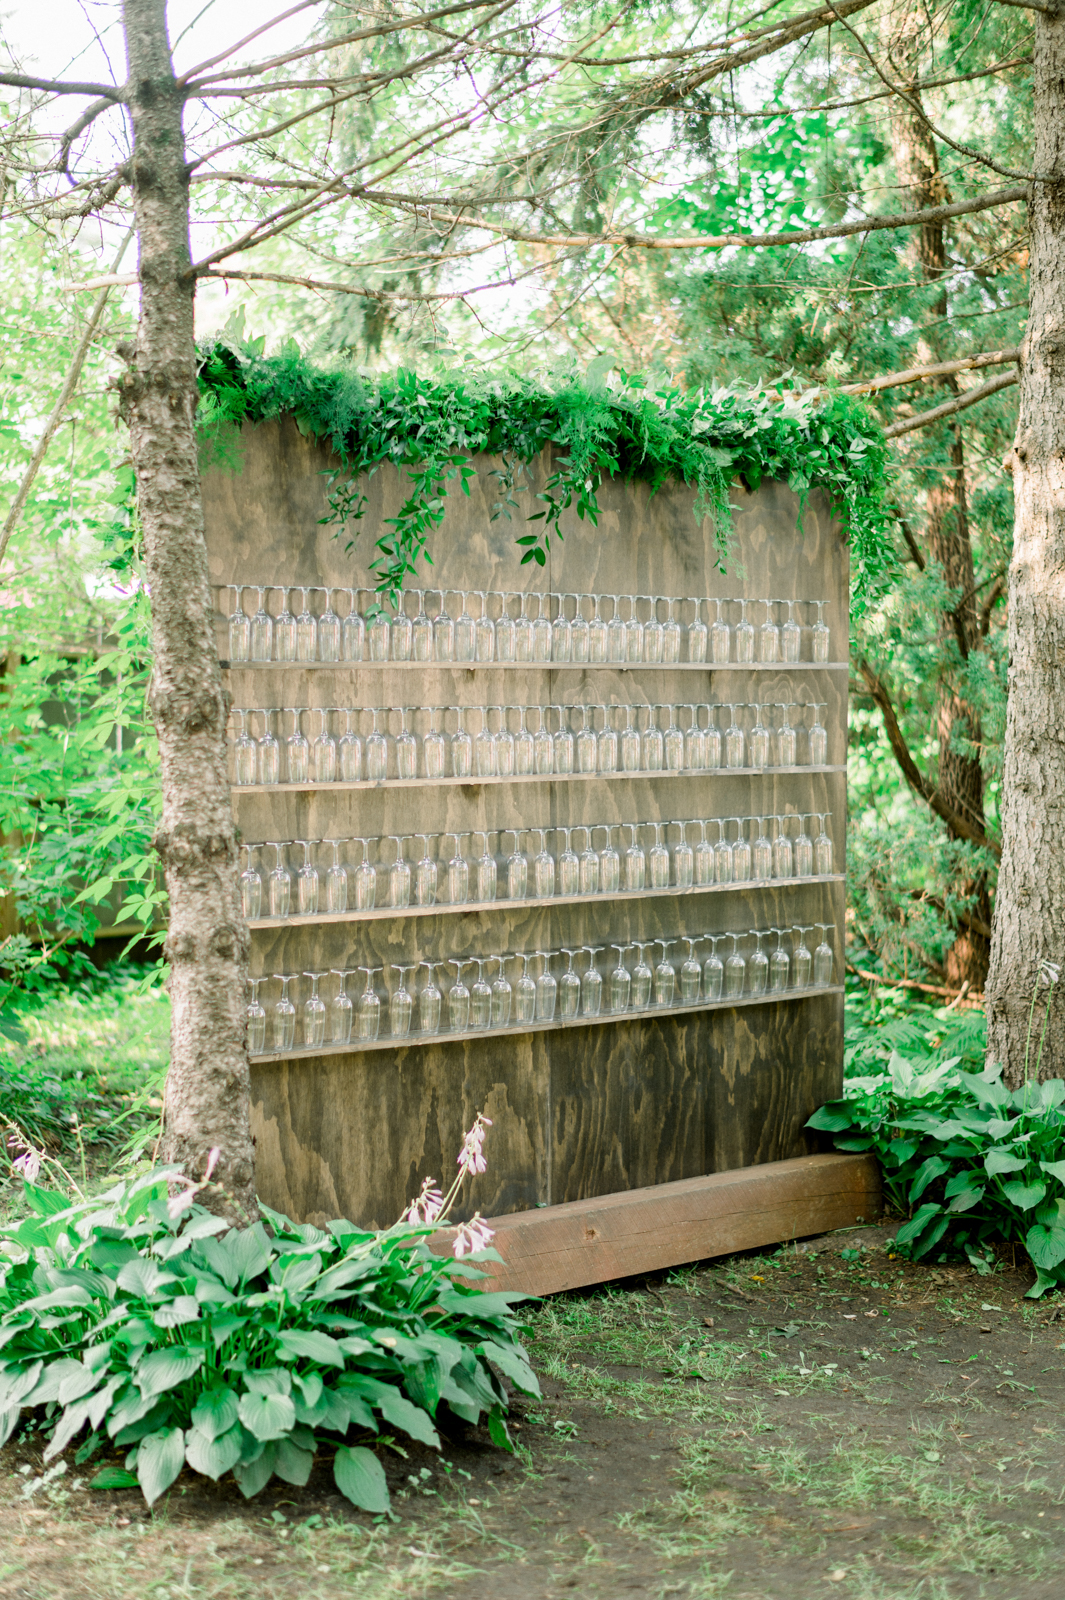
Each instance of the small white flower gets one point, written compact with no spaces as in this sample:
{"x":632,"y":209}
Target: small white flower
{"x":29,"y":1165}
{"x":427,"y":1207}
{"x":1049,"y":971}
{"x":472,"y":1236}
{"x":471,"y":1156}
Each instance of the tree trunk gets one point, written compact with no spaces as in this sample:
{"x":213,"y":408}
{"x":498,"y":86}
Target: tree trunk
{"x":960,"y":779}
{"x":207,"y":1101}
{"x":1029,"y":924}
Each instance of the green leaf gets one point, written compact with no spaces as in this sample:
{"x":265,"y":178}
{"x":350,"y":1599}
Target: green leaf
{"x":113,"y":1478}
{"x":831,"y":1120}
{"x":512,"y":1360}
{"x":401,"y":1413}
{"x":213,"y":1454}
{"x":1046,"y":1245}
{"x":175,"y":1313}
{"x":926,"y":1173}
{"x":1025,"y":1195}
{"x":293,"y":1464}
{"x":360,"y":1478}
{"x":1056,"y":1169}
{"x":253,"y":1476}
{"x":917,"y":1223}
{"x":267,"y":1416}
{"x":160,"y":1457}
{"x":215,"y":1412}
{"x":999,"y":1161}
{"x":497,"y":1429}
{"x":165,"y":1369}
{"x":296,"y":1342}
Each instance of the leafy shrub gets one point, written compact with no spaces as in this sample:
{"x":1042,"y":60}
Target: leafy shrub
{"x":184,"y":1340}
{"x":969,"y":1161}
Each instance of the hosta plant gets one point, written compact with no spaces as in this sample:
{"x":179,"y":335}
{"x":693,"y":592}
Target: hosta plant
{"x":140,"y":1317}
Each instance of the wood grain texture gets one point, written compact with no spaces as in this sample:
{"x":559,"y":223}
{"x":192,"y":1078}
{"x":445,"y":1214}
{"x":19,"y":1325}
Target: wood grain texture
{"x":592,"y":1241}
{"x":586,"y":1111}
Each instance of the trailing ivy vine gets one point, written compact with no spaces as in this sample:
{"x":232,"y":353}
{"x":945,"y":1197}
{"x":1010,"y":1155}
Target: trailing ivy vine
{"x":430,"y":426}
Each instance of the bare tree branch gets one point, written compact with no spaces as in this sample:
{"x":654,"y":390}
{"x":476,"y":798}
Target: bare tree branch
{"x":105,"y":91}
{"x":964,"y":400}
{"x":941,"y":369}
{"x":223,"y":55}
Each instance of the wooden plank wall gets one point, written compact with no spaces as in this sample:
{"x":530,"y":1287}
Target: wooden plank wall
{"x":582,"y":1111}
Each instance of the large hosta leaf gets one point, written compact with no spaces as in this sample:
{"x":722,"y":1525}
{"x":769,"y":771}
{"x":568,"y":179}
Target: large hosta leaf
{"x":360,"y":1477}
{"x":160,"y":1457}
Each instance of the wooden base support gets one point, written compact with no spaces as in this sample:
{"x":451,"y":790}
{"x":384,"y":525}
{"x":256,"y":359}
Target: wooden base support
{"x":642,"y":1230}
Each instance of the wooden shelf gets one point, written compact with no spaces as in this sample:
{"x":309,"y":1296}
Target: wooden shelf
{"x":396,"y":913}
{"x":538,"y":666}
{"x":475,"y":782}
{"x":309,"y":1052}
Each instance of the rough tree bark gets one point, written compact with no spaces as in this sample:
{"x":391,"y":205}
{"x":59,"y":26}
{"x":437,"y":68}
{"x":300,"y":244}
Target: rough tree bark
{"x":208,"y":1082}
{"x":1029,"y":923}
{"x":960,"y":779}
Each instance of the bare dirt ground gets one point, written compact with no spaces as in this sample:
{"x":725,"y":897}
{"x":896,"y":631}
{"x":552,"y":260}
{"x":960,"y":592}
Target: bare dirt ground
{"x":827,"y":1420}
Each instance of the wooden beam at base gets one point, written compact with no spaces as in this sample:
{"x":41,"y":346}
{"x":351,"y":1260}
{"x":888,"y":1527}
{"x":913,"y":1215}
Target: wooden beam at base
{"x":643,"y":1230}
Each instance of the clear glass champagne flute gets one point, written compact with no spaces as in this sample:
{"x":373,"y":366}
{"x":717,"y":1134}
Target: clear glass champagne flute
{"x":278,"y":883}
{"x":790,"y":634}
{"x":665,"y":974}
{"x":735,"y":968}
{"x":524,"y":749}
{"x":458,"y":999}
{"x":505,"y":640}
{"x":541,"y":630}
{"x":365,"y":876}
{"x":758,"y":965}
{"x":670,"y":634}
{"x":586,"y":742}
{"x":517,"y":867}
{"x":642,"y":977}
{"x":461,"y":747}
{"x":306,"y":631}
{"x":563,"y":745}
{"x":255,"y":1018}
{"x":399,"y":874}
{"x":402,"y":640}
{"x":401,"y":1005}
{"x":714,"y":741}
{"x":633,"y":632}
{"x":376,"y":750}
{"x":630,"y":742}
{"x":620,"y":982}
{"x":568,"y":866}
{"x":759,"y":740}
{"x":561,"y":633}
{"x":502,"y":994}
{"x":779,"y":964}
{"x":704,"y":857}
{"x":523,"y":631}
{"x":443,"y":632}
{"x":324,"y":751}
{"x":653,"y":638}
{"x":720,"y":637}
{"x":349,"y":750}
{"x":368,"y":1011}
{"x":245,"y":751}
{"x":694,"y":743}
{"x":821,"y":633}
{"x":769,"y":635}
{"x":818,"y":737}
{"x":297,"y":749}
{"x":314,"y":1015}
{"x":580,"y":631}
{"x":484,"y":747}
{"x":458,"y":872}
{"x":673,"y":742}
{"x":406,"y":746}
{"x":421,"y":631}
{"x":239,"y":627}
{"x":336,"y":880}
{"x":588,"y":876}
{"x":735,"y":741}
{"x":307,"y":882}
{"x":804,"y":848}
{"x":251,"y":886}
{"x":783,"y":854}
{"x":352,"y":630}
{"x":269,"y":753}
{"x":426,"y":873}
{"x":505,"y":749}
{"x":543,"y":868}
{"x":802,"y":960}
{"x":698,"y":635}
{"x":713,"y":967}
{"x":284,"y":1015}
{"x":741,"y":853}
{"x":616,"y":633}
{"x":546,"y":989}
{"x":690,"y":977}
{"x":822,"y":847}
{"x":485,"y":644}
{"x":606,"y":743}
{"x":787,"y":739}
{"x":465,"y":638}
{"x":543,"y":744}
{"x":569,"y":989}
{"x":723,"y":856}
{"x":434,"y":747}
{"x":824,"y":958}
{"x":524,"y":992}
{"x":328,"y":630}
{"x":658,"y":859}
{"x":485,"y":871}
{"x":762,"y":855}
{"x":683,"y":857}
{"x":261,"y":644}
{"x":609,"y":860}
{"x":635,"y":862}
{"x":592,"y":982}
{"x":430,"y":999}
{"x":598,"y":632}
{"x":378,"y":631}
{"x":744,"y":636}
{"x":652,"y":745}
{"x":480,"y":998}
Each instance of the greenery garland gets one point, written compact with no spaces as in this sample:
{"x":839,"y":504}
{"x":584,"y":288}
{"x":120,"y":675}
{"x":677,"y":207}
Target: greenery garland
{"x":430,"y":426}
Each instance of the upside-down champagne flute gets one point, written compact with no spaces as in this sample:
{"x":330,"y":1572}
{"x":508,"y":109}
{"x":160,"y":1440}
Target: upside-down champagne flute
{"x":297,"y":749}
{"x":779,"y":964}
{"x":563,"y":741}
{"x":426,"y":873}
{"x":523,"y":631}
{"x":735,"y":741}
{"x":543,"y":744}
{"x":505,"y":746}
{"x":541,"y":629}
{"x":652,"y":745}
{"x":665,"y":975}
{"x":723,"y":857}
{"x":598,"y":633}
{"x":787,"y":739}
{"x":713,"y":967}
{"x":458,"y":999}
{"x":484,"y":747}
{"x":336,"y":881}
{"x":349,"y":751}
{"x":714,"y":742}
{"x":505,"y":638}
{"x":461,"y":747}
{"x":642,"y":977}
{"x":683,"y":858}
{"x":609,"y":860}
{"x":402,"y":630}
{"x":480,"y":998}
{"x":568,"y":866}
{"x":630,"y":742}
{"x":744,"y":636}
{"x":697,"y":633}
{"x":255,"y":1018}
{"x":269,"y":753}
{"x":443,"y":631}
{"x":802,"y":960}
{"x":524,"y":747}
{"x":694,"y":743}
{"x":758,"y":965}
{"x":546,"y":989}
{"x":465,"y":632}
{"x":284,"y":1014}
{"x":502,"y":994}
{"x":430,"y":1000}
{"x":306,"y":631}
{"x":401,"y":1005}
{"x":569,"y":988}
{"x":434,"y":747}
{"x":458,"y":872}
{"x":579,"y":631}
{"x":307,"y":884}
{"x":653,"y":633}
{"x":822,"y":847}
{"x":633,"y":632}
{"x":673,"y":742}
{"x":261,"y":644}
{"x":561,"y":634}
{"x":704,"y":858}
{"x":485,"y":640}
{"x":378,"y":631}
{"x":352,"y":631}
{"x":783,"y":853}
{"x":524,"y":992}
{"x":761,"y":854}
{"x":720,"y":637}
{"x":279,"y":884}
{"x":485,"y":872}
{"x":821,"y":633}
{"x":406,"y":748}
{"x":517,"y":867}
{"x":592,"y":983}
{"x":759,"y":740}
{"x":251,"y":887}
{"x":239,"y":627}
{"x":735,"y":968}
{"x":670,"y":634}
{"x":790,"y":634}
{"x":328,"y":630}
{"x":769,"y":635}
{"x":658,"y":859}
{"x":635,"y":861}
{"x":368,"y":1011}
{"x":399,"y":875}
{"x":824,"y":959}
{"x":376,"y":750}
{"x":606,"y":744}
{"x":284,"y":625}
{"x":804,"y":848}
{"x":365,"y":879}
{"x":586,"y":743}
{"x":620,"y":981}
{"x":741,"y":853}
{"x":588,"y":864}
{"x":690,"y":975}
{"x":543,"y":868}
{"x":421,"y":635}
{"x":818,"y":737}
{"x":244,"y":753}
{"x":314,"y":1015}
{"x":616,"y":633}
{"x":324,"y":751}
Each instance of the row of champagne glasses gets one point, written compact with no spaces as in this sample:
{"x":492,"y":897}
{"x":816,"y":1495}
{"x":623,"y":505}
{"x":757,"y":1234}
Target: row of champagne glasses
{"x":458,"y":1007}
{"x":510,"y":626}
{"x":765,"y":849}
{"x":521,"y":741}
